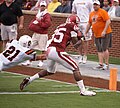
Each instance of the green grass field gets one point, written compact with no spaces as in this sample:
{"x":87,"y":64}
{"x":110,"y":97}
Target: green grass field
{"x":43,"y":93}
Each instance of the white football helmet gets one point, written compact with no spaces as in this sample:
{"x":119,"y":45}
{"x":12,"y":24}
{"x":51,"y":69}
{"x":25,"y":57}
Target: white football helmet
{"x":25,"y":41}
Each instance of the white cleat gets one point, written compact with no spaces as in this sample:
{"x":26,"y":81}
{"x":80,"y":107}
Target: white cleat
{"x":84,"y":59}
{"x":88,"y":93}
{"x":40,"y":64}
{"x":105,"y":67}
{"x":26,"y":63}
{"x":80,"y":59}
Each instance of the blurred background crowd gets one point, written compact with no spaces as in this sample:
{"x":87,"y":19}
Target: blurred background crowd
{"x":63,"y":6}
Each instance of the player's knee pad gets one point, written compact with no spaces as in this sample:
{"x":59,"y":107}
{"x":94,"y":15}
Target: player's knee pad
{"x":50,"y":73}
{"x":76,"y":70}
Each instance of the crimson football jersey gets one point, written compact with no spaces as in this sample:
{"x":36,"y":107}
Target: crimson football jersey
{"x":63,"y":34}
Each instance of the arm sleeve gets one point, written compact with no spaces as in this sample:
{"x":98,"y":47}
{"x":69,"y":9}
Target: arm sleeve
{"x":46,"y":23}
{"x":19,"y":11}
{"x":73,"y":7}
{"x":105,"y":15}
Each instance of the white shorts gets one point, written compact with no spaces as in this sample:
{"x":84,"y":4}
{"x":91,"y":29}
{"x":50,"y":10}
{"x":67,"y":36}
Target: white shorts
{"x":39,"y":41}
{"x":82,"y":27}
{"x":9,"y":32}
{"x":62,"y":58}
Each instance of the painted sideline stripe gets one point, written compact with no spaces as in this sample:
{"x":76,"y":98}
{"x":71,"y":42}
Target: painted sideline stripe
{"x":58,"y":92}
{"x":13,"y":73}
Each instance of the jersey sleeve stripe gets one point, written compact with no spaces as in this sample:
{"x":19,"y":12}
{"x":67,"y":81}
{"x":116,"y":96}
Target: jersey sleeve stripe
{"x":29,"y":52}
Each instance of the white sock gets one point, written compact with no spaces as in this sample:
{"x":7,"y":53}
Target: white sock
{"x":81,"y":85}
{"x":80,"y":56}
{"x":36,"y":76}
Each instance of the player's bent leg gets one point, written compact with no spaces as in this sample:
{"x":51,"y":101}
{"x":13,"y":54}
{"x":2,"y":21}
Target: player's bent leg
{"x":77,"y":74}
{"x":28,"y":80}
{"x":81,"y":86}
{"x":44,"y":73}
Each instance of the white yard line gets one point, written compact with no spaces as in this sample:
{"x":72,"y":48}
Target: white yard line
{"x":13,"y":73}
{"x":57,"y":92}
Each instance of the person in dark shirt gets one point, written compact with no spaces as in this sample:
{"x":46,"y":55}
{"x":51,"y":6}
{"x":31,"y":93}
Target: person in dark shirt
{"x":19,"y":2}
{"x":106,"y":5}
{"x":0,"y":23}
{"x":9,"y":13}
{"x":63,"y":8}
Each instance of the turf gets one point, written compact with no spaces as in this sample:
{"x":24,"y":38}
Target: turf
{"x":10,"y":83}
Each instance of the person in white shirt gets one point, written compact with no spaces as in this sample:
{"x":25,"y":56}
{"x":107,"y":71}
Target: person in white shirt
{"x":82,"y":8}
{"x":114,"y":10}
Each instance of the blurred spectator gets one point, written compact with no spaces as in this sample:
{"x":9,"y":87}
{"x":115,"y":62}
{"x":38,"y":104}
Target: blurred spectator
{"x":102,"y":3}
{"x":113,"y":0}
{"x":70,"y":2}
{"x":40,"y":39}
{"x":106,"y":5}
{"x":40,"y":35}
{"x":19,"y":2}
{"x":27,"y":5}
{"x":38,"y":2}
{"x":1,"y":1}
{"x":37,"y":5}
{"x":9,"y":13}
{"x":63,"y":8}
{"x":53,"y":5}
{"x":83,"y":8}
{"x":114,"y":10}
{"x":100,"y":22}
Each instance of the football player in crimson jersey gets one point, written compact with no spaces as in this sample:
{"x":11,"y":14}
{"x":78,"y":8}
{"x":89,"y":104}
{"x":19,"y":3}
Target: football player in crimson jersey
{"x":17,"y":52}
{"x":64,"y":33}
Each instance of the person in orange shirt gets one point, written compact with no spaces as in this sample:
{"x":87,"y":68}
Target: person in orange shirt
{"x":100,"y":22}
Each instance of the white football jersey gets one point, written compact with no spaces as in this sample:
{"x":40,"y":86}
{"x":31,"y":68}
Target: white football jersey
{"x":15,"y":54}
{"x":82,"y":8}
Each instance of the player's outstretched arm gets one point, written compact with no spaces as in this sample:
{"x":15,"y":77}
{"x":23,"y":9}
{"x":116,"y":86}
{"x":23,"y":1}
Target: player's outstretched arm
{"x":41,"y":57}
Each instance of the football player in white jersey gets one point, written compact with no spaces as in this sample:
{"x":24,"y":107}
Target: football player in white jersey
{"x":17,"y":52}
{"x":83,"y":8}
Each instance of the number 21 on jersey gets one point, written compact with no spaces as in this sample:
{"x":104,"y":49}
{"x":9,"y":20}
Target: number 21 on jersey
{"x":11,"y":53}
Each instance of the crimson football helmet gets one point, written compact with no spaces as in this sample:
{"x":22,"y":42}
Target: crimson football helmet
{"x":73,"y":19}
